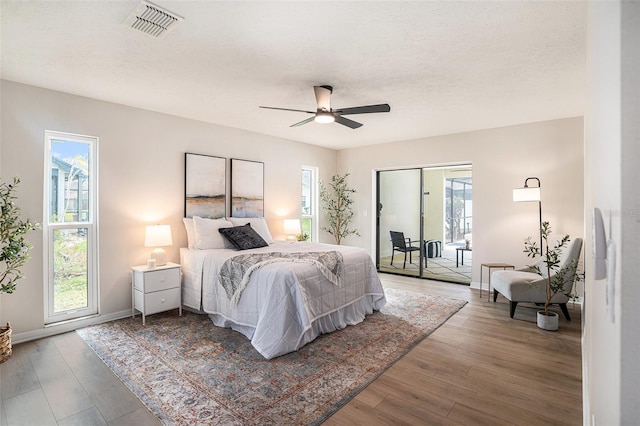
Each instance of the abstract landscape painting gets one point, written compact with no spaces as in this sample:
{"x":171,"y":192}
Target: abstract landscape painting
{"x":205,"y":186}
{"x":247,"y":188}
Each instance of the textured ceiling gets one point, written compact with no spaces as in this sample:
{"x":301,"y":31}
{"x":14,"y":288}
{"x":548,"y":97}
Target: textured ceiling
{"x":443,"y":66}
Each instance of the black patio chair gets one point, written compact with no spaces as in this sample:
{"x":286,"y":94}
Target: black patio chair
{"x":404,"y":245}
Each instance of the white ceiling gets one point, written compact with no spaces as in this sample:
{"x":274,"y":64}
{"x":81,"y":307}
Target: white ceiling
{"x":443,"y":66}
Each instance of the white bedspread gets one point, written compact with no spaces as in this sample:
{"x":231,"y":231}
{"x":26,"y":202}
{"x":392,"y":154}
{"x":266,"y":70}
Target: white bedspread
{"x":275,"y":311}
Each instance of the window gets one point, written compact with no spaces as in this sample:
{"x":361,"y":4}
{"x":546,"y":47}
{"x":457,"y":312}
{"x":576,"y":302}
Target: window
{"x":70,"y":227}
{"x":309,"y":202}
{"x":458,"y":208}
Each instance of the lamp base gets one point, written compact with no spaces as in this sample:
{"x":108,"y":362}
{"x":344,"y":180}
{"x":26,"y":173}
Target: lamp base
{"x":160,"y":256}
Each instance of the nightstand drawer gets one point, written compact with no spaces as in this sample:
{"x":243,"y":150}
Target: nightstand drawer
{"x":159,"y":280}
{"x":161,"y":301}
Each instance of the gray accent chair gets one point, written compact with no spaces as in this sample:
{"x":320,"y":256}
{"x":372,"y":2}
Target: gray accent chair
{"x":526,"y":285}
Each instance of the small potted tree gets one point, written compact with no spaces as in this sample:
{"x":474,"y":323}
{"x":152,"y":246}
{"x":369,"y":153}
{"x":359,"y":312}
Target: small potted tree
{"x":549,"y":267}
{"x":14,"y":251}
{"x":336,"y":201}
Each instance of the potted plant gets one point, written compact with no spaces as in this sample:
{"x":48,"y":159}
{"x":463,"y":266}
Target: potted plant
{"x":336,"y":201}
{"x":549,"y":267}
{"x":14,"y":251}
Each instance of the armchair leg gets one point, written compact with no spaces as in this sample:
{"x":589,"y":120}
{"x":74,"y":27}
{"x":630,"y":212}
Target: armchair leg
{"x":393,"y":252}
{"x":565,"y":311}
{"x":404,"y":265}
{"x":495,"y":296}
{"x":512,"y":308}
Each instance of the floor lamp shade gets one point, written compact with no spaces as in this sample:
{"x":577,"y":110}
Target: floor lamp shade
{"x":528,"y":193}
{"x":158,"y":236}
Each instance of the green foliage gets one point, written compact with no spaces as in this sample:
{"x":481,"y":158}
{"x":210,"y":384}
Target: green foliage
{"x":70,"y":276}
{"x":551,"y":262}
{"x":306,"y":230}
{"x":336,"y":201}
{"x":15,"y":250}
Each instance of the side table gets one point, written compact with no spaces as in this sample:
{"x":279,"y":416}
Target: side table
{"x":460,"y":251}
{"x":491,"y":266}
{"x":155,"y":290}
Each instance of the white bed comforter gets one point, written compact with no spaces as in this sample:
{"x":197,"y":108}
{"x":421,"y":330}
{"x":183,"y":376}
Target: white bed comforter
{"x":275,"y":311}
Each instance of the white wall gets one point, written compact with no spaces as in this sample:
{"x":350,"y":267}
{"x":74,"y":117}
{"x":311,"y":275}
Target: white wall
{"x":502,"y":159}
{"x":611,"y":349}
{"x":141,"y":181}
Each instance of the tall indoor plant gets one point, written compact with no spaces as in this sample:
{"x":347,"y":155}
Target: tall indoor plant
{"x":14,"y":251}
{"x":336,"y":200}
{"x":549,"y":267}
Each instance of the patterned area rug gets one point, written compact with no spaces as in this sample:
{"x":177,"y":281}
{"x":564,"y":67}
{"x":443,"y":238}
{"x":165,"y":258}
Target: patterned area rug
{"x":187,"y":371}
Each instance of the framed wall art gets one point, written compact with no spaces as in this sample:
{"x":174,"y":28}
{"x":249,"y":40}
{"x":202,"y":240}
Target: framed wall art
{"x":247,"y":188}
{"x":205,"y":186}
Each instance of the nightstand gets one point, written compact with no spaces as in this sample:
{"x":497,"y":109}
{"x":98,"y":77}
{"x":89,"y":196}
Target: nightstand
{"x":155,"y":290}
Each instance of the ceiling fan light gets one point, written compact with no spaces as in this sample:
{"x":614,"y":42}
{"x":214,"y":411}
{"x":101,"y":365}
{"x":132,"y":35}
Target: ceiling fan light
{"x":324,"y":117}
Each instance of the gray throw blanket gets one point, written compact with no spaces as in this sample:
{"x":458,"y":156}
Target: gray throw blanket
{"x":236,"y":271}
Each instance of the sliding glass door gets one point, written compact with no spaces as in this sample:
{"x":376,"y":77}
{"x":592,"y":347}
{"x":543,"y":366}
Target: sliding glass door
{"x":424,"y":220}
{"x":399,"y":225}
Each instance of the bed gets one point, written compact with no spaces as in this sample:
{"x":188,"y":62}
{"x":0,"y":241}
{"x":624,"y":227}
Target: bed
{"x":284,"y":303}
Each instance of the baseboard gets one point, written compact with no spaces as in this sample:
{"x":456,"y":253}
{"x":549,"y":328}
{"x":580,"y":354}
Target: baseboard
{"x":52,"y":330}
{"x":476,"y":285}
{"x":577,"y":300}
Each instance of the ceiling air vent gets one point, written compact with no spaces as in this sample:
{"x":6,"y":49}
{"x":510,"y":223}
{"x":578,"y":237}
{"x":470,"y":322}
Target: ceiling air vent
{"x":152,"y":19}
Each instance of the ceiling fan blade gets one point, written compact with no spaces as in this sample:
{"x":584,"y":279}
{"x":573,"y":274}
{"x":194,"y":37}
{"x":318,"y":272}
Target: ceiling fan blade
{"x":323,"y":97}
{"x":364,"y":109}
{"x":288,"y":109}
{"x":308,"y":120}
{"x":347,"y":122}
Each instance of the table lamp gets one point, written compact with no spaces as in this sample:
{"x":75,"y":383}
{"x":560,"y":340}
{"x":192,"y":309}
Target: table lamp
{"x":292,"y":229}
{"x":158,"y":236}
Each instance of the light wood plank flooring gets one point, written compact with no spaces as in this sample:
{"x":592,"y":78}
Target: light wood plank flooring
{"x":480,"y":367}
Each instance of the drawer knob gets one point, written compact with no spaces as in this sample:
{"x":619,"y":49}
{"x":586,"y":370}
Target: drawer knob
{"x":164,"y":300}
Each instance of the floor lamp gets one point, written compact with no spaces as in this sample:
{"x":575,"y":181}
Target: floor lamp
{"x":530,"y":194}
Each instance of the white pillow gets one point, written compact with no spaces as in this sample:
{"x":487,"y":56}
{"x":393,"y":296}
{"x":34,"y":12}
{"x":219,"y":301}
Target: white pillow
{"x":191,"y":232}
{"x":207,"y":234}
{"x":257,"y":223}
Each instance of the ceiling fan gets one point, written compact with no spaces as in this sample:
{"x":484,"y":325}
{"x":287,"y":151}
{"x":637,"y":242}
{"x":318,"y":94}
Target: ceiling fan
{"x":325,"y":114}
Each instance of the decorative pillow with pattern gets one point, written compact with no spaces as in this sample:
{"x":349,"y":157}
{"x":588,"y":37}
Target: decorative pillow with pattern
{"x":243,"y":237}
{"x":259,"y":224}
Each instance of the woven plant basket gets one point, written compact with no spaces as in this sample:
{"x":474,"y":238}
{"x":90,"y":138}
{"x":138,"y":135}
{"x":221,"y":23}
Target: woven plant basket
{"x":5,"y":343}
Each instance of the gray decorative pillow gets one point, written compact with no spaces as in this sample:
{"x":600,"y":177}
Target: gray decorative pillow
{"x":243,"y":237}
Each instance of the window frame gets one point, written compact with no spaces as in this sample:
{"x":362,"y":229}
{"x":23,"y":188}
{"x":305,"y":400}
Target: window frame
{"x":313,"y":215}
{"x":91,"y":225}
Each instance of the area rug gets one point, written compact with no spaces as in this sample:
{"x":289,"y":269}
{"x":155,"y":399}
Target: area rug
{"x":187,"y":371}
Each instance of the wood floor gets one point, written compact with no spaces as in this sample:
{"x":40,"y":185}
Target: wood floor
{"x":480,"y":367}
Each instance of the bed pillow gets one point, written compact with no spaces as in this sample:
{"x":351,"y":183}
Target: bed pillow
{"x":191,"y":232}
{"x":243,"y":237}
{"x":257,"y":223}
{"x":207,"y":235}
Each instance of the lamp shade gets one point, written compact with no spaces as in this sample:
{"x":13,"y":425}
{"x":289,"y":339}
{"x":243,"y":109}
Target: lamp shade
{"x":526,"y":194}
{"x":292,"y":226}
{"x":158,"y":236}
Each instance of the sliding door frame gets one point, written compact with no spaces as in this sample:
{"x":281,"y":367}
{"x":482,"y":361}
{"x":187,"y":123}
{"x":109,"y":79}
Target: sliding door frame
{"x":420,"y":218}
